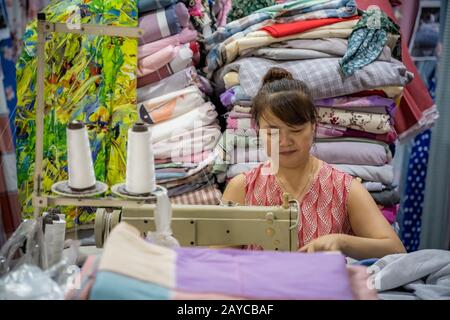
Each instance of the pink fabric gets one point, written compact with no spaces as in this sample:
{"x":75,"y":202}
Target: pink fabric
{"x":323,"y":207}
{"x":390,"y":213}
{"x":184,"y":36}
{"x":241,"y":123}
{"x":156,"y":60}
{"x":359,"y":282}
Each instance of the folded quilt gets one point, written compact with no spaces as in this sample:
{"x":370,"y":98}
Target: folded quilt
{"x":363,"y":121}
{"x":163,"y":22}
{"x":150,"y":5}
{"x":333,"y":131}
{"x":383,"y":174}
{"x":323,"y":76}
{"x":150,"y":271}
{"x":354,"y":153}
{"x":182,"y":60}
{"x":175,"y":82}
{"x":190,"y":144}
{"x":241,"y":123}
{"x":387,"y":198}
{"x":185,"y":36}
{"x":196,"y":118}
{"x":171,"y":105}
{"x":279,"y":30}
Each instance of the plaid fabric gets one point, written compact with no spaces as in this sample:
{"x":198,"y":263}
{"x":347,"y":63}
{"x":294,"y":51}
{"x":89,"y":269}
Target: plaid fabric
{"x":207,"y":196}
{"x":323,"y":77}
{"x":282,"y":13}
{"x":10,"y":216}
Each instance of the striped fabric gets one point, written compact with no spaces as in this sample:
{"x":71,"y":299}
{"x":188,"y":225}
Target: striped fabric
{"x":209,"y":195}
{"x":10,"y":216}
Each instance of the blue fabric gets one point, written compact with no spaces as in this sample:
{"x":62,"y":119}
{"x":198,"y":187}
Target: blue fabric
{"x":150,"y":5}
{"x":412,"y":204}
{"x":107,"y":283}
{"x":365,"y":262}
{"x":9,"y":81}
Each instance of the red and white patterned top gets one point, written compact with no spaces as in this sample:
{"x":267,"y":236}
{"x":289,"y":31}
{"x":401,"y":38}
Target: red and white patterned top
{"x":323,"y":207}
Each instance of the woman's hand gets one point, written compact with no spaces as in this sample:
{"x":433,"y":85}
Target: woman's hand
{"x":330,"y":242}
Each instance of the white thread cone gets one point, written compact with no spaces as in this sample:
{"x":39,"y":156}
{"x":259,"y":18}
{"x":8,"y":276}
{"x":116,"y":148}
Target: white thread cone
{"x":79,"y":157}
{"x":140,"y":176}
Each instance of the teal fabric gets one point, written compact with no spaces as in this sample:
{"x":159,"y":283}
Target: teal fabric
{"x":106,"y":284}
{"x":367,"y":41}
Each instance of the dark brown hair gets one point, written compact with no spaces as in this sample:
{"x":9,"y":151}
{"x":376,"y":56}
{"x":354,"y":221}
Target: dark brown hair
{"x":287,"y":98}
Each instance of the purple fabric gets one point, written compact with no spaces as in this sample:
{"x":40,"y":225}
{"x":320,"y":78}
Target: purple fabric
{"x":175,"y":18}
{"x":228,"y":97}
{"x":349,"y":152}
{"x":263,"y":274}
{"x":352,"y":102}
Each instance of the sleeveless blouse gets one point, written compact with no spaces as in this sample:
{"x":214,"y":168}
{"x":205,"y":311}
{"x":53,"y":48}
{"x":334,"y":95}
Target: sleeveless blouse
{"x":323,"y":207}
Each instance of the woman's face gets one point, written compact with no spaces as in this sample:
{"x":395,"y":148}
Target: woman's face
{"x":294,"y":142}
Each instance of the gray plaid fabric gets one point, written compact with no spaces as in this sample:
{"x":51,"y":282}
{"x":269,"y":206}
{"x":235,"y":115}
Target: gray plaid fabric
{"x":323,"y":76}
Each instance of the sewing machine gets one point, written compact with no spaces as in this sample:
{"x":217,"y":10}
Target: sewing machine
{"x":193,"y":225}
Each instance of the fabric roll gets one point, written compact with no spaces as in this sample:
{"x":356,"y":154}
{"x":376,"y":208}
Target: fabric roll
{"x":354,"y":153}
{"x":383,"y":174}
{"x":182,"y":60}
{"x":368,"y":122}
{"x":157,"y":60}
{"x":185,"y":36}
{"x":279,"y":30}
{"x":175,"y":82}
{"x":163,"y":23}
{"x":188,"y":144}
{"x":241,"y":123}
{"x":199,"y":117}
{"x":150,"y":5}
{"x":171,"y":105}
{"x":322,"y":76}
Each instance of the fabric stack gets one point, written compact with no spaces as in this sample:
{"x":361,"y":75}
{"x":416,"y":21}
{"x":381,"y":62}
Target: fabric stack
{"x":132,"y":268}
{"x":351,"y":65}
{"x":172,"y":99}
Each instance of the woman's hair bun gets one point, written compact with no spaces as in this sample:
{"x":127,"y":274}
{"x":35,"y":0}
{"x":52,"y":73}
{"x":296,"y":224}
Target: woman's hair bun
{"x":275,"y":74}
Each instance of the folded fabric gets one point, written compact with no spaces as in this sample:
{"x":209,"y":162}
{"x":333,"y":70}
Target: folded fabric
{"x":185,"y":36}
{"x":390,"y":213}
{"x":359,"y":278}
{"x":157,"y":60}
{"x":238,"y":168}
{"x":183,"y":165}
{"x":188,"y":145}
{"x":209,"y":195}
{"x":172,"y":170}
{"x":241,"y":123}
{"x":368,"y":39}
{"x":374,"y":186}
{"x":280,"y":30}
{"x":231,"y":79}
{"x":237,"y":115}
{"x":243,"y":8}
{"x":383,"y":174}
{"x":204,"y":166}
{"x":156,"y":270}
{"x":169,"y":175}
{"x":229,"y":140}
{"x":243,"y":155}
{"x":182,"y":60}
{"x":258,"y":39}
{"x":244,"y":132}
{"x":191,"y":158}
{"x":369,"y":122}
{"x":283,"y":54}
{"x":389,"y":137}
{"x":423,"y":274}
{"x":171,"y":105}
{"x":150,"y":5}
{"x":387,"y":198}
{"x":323,"y":76}
{"x":163,"y":22}
{"x":175,"y":82}
{"x":242,"y":109}
{"x":232,"y":95}
{"x":201,"y":176}
{"x":352,"y":153}
{"x":368,"y":102}
{"x":196,"y":118}
{"x":191,"y":187}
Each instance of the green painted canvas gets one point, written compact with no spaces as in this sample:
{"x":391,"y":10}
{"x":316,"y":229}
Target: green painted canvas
{"x":87,"y":78}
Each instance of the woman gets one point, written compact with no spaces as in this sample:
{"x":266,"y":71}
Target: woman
{"x":337,"y":212}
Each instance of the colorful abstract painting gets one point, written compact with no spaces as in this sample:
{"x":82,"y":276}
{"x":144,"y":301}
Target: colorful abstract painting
{"x":88,"y":78}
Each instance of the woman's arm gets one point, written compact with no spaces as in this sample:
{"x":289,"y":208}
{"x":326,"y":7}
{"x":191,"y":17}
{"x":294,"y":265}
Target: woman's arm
{"x":374,"y":237}
{"x":235,"y":190}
